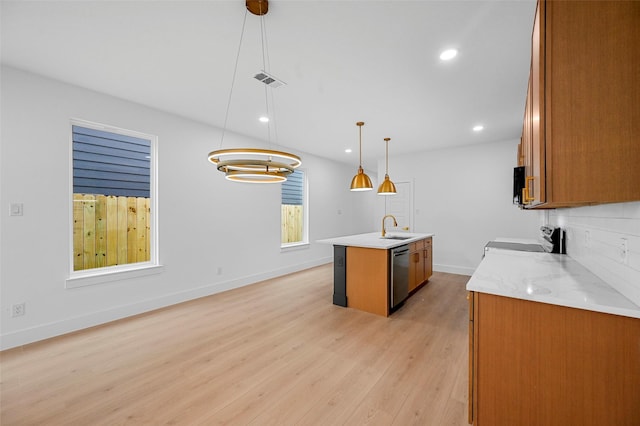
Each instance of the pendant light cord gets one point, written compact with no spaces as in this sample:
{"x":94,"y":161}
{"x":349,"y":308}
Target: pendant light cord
{"x":360,"y":156}
{"x":360,"y":124}
{"x":233,"y":80}
{"x":386,"y":156}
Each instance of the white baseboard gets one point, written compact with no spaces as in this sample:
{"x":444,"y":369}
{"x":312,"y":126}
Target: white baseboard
{"x":69,"y":325}
{"x":452,"y":269}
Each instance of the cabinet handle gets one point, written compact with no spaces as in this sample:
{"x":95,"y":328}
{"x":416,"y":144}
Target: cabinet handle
{"x":526,"y":191}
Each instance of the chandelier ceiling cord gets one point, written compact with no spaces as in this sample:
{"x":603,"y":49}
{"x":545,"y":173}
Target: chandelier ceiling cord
{"x":233,"y":80}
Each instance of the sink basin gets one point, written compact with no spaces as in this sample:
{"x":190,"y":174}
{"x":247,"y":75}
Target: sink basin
{"x":395,"y":237}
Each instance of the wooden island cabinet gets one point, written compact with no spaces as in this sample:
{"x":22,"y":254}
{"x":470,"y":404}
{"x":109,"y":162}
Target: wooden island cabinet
{"x":368,"y":275}
{"x":581,"y":127}
{"x":362,"y":268}
{"x":420,"y":263}
{"x":368,"y":280}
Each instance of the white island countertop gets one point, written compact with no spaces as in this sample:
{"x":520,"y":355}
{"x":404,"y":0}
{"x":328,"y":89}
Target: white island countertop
{"x":375,"y":240}
{"x":548,"y":278}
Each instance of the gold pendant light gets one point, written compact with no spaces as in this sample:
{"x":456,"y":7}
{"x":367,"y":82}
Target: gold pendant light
{"x":254,"y":165}
{"x":361,"y":181}
{"x":387,"y":187}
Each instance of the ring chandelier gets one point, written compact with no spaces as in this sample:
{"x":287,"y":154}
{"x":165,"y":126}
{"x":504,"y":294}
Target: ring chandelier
{"x":254,"y":165}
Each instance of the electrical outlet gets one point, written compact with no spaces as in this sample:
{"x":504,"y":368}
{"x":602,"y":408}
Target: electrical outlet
{"x":219,"y":270}
{"x":624,"y":251}
{"x":587,"y":238}
{"x":18,"y":310}
{"x":16,"y":209}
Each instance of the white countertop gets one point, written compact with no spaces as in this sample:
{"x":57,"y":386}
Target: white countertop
{"x":375,"y":240}
{"x":549,"y":278}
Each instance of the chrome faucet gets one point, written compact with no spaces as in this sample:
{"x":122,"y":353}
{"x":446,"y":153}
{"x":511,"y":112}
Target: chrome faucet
{"x":395,"y":223}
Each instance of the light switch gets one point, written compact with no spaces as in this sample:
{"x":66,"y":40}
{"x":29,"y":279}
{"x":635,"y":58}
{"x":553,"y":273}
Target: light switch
{"x":16,"y":209}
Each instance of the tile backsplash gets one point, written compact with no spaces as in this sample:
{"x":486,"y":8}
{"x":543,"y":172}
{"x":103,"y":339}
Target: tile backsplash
{"x":606,"y":240}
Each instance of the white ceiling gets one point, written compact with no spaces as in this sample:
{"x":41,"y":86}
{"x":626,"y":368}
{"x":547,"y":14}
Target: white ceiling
{"x":343,"y":61}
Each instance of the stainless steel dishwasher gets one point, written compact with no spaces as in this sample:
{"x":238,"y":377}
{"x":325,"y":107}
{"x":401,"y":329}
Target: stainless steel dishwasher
{"x":399,"y":278}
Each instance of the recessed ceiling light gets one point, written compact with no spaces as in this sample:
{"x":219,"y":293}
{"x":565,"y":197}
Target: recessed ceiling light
{"x":478,"y":128}
{"x":264,"y":119}
{"x":448,"y":54}
{"x":348,"y":150}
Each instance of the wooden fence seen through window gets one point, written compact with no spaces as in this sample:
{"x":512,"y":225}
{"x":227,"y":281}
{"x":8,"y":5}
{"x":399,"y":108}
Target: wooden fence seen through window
{"x":110,"y":230}
{"x":292,"y":224}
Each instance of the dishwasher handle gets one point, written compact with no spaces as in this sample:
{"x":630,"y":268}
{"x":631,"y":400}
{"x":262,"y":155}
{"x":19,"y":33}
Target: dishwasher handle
{"x":400,"y":252}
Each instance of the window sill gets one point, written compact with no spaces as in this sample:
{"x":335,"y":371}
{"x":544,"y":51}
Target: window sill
{"x":294,"y":246}
{"x":104,"y":275}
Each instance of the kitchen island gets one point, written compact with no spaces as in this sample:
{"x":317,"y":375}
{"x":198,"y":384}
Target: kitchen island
{"x":550,"y":343}
{"x":363,"y":267}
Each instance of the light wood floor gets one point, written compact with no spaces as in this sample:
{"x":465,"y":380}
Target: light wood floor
{"x":274,"y":353}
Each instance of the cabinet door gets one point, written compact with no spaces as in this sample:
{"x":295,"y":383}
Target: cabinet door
{"x":525,"y":153}
{"x":420,"y":262}
{"x":593,"y":118}
{"x":582,"y":121}
{"x":542,"y":364}
{"x":368,"y":280}
{"x":416,"y":264}
{"x":472,"y":383}
{"x":419,"y":268}
{"x":428,"y":259}
{"x":413,"y":266}
{"x":535,"y":166}
{"x":413,"y":269}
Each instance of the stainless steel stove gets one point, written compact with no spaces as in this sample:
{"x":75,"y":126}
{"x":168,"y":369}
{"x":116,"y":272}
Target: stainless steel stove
{"x":551,"y":241}
{"x":505,"y":245}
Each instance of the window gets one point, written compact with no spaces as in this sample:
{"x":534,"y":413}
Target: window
{"x":113,"y":199}
{"x":293,"y":210}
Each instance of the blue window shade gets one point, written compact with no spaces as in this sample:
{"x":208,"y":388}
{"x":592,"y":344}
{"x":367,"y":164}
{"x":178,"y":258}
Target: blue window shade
{"x":293,"y":189}
{"x":110,"y":163}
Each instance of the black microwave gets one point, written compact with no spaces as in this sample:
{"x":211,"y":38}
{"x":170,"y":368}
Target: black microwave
{"x":518,"y":185}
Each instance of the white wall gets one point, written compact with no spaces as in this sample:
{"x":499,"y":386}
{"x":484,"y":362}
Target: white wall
{"x":594,"y":238}
{"x":205,"y":222}
{"x":464,"y":196}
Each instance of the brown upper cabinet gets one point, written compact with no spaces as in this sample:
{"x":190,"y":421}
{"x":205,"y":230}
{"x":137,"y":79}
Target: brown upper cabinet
{"x":581,"y":132}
